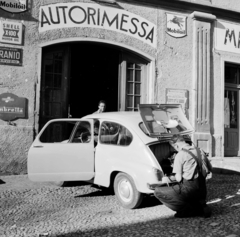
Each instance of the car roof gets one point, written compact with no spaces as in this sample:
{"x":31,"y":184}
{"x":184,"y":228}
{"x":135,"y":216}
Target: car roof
{"x":129,"y":119}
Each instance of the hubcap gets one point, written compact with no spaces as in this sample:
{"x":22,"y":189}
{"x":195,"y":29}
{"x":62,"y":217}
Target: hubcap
{"x":125,"y":190}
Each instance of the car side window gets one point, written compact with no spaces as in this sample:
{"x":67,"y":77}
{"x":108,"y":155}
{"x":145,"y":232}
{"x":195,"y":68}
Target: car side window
{"x":67,"y":132}
{"x":115,"y":134}
{"x":58,"y":131}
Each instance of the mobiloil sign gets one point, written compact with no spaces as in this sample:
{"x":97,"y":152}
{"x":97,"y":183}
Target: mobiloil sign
{"x":77,"y":14}
{"x":14,"y":6}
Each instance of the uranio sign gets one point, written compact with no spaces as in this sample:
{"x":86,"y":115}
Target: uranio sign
{"x":14,"y":6}
{"x":11,"y":56}
{"x":12,"y":107}
{"x":78,"y":14}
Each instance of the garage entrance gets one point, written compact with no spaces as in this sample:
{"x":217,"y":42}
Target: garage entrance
{"x":75,"y":76}
{"x":94,"y":77}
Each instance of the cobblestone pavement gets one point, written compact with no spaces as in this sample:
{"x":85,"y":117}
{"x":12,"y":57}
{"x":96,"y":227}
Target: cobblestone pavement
{"x":43,"y":209}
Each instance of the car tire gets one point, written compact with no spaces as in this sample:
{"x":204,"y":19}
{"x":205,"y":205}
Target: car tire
{"x":126,"y":192}
{"x":59,"y":183}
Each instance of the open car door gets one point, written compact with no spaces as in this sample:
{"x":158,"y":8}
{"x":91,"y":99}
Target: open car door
{"x":63,"y":151}
{"x":164,"y":120}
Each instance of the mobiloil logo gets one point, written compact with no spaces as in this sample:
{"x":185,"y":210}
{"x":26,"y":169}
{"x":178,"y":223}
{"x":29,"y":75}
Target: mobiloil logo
{"x":14,"y":6}
{"x":176,"y":25}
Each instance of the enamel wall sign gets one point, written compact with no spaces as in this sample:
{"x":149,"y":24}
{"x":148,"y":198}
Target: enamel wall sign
{"x":177,"y":96}
{"x":11,"y":56}
{"x":10,"y":32}
{"x":227,"y":37}
{"x":12,"y":107}
{"x":176,"y":25}
{"x":14,"y":6}
{"x":78,"y":14}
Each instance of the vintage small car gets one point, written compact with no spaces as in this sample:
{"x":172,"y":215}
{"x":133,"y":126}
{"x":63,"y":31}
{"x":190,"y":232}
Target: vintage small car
{"x":123,"y":150}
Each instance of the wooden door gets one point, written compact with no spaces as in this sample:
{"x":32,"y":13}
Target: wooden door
{"x":231,"y":122}
{"x":54,"y":84}
{"x":132,"y":82}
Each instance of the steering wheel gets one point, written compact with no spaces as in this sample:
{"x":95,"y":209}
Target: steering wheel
{"x":80,"y":137}
{"x":85,"y":137}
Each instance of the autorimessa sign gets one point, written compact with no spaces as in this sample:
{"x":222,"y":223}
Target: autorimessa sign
{"x":14,"y":6}
{"x":77,"y":14}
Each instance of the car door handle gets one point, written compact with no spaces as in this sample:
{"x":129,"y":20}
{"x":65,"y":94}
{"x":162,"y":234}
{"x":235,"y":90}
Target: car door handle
{"x":38,"y":146}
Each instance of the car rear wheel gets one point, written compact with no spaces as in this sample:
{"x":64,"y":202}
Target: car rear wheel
{"x":59,"y":183}
{"x":126,"y":191}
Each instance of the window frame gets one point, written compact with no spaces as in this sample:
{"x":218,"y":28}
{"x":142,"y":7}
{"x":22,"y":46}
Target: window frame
{"x":125,"y":59}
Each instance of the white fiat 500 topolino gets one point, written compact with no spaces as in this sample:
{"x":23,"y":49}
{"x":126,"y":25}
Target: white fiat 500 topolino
{"x":123,"y":150}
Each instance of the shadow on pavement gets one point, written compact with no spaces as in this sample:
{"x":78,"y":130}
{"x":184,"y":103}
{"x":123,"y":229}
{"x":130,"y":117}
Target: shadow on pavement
{"x":149,"y":201}
{"x":75,"y":183}
{"x":98,"y":193}
{"x":2,"y":182}
{"x":102,"y":191}
{"x":224,"y":171}
{"x":165,"y":225}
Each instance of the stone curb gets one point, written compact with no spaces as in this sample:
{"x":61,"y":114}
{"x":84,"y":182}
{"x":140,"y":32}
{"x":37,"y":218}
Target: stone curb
{"x":226,"y":165}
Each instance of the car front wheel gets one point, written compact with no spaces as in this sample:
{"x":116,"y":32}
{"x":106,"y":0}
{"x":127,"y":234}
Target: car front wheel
{"x":126,"y":191}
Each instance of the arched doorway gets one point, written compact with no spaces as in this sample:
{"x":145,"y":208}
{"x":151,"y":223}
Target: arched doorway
{"x":94,"y":77}
{"x":75,"y":76}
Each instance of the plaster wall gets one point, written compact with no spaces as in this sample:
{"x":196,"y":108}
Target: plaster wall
{"x":174,"y":60}
{"x":224,"y":4}
{"x":233,"y":5}
{"x":16,"y":139}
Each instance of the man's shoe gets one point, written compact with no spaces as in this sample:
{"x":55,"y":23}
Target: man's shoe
{"x":183,"y":215}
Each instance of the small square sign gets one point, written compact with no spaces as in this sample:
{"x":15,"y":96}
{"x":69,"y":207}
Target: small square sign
{"x":177,"y":96}
{"x":11,"y":32}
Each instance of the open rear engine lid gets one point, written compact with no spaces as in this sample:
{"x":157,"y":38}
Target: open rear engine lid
{"x":164,"y":120}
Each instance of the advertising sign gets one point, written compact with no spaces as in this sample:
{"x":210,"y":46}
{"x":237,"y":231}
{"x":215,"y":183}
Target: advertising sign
{"x":14,"y":6}
{"x":11,"y":32}
{"x":176,"y":25}
{"x":78,"y":14}
{"x":11,"y":56}
{"x":12,"y":107}
{"x":227,"y":37}
{"x":177,"y":96}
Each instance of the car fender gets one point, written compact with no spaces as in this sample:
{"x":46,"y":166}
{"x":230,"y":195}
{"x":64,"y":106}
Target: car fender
{"x":143,"y":175}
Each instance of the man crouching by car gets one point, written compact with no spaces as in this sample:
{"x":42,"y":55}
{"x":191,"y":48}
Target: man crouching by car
{"x":188,"y":195}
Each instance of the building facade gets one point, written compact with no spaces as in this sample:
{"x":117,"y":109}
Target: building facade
{"x":60,"y":57}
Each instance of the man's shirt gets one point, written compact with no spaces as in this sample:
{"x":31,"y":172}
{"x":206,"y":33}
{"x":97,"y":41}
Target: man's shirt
{"x":185,"y":164}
